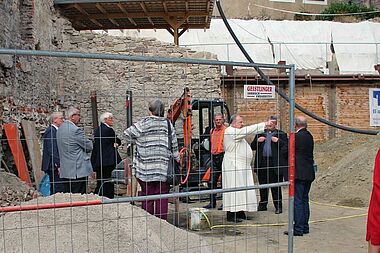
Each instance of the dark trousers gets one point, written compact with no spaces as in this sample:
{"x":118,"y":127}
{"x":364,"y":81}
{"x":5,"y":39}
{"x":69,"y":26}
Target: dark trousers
{"x":104,"y":185}
{"x":158,"y":207}
{"x":216,"y":171}
{"x":267,"y":175}
{"x":78,"y":185}
{"x":56,"y":183}
{"x":301,"y":206}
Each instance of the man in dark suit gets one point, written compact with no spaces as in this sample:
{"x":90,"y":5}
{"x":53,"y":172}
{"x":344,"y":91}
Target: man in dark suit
{"x":50,"y":155}
{"x":104,"y":156}
{"x":304,"y":176}
{"x":271,"y":161}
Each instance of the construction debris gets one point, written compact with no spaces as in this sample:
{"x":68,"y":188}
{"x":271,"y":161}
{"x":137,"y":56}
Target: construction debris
{"x":13,"y":190}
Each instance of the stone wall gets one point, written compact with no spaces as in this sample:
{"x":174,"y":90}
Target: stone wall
{"x":36,"y":86}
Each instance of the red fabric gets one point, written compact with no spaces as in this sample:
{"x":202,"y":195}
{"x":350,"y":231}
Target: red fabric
{"x":373,"y":222}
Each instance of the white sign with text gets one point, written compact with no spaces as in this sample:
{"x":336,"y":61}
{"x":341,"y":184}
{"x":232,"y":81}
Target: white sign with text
{"x":374,"y":107}
{"x":259,"y":91}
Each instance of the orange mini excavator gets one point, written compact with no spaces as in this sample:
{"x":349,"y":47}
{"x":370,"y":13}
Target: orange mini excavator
{"x":197,"y":116}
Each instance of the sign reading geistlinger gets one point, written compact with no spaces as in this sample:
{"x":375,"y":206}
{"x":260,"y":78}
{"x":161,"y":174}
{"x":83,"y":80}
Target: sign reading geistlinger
{"x":259,"y":91}
{"x":374,"y":107}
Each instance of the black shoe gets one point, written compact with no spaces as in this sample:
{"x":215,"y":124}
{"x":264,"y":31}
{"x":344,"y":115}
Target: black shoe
{"x":210,"y":206}
{"x":236,"y":220}
{"x":262,"y":208}
{"x":305,"y":232}
{"x":294,"y":233}
{"x":220,"y":208}
{"x":278,"y":211}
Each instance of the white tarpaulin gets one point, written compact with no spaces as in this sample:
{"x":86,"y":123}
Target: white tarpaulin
{"x":303,"y":43}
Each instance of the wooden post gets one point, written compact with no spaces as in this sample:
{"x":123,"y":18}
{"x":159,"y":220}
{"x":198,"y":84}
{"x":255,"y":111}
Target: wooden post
{"x":176,"y":36}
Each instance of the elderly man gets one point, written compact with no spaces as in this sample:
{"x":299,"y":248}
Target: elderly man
{"x":236,"y":168}
{"x":105,"y":157}
{"x":74,"y":153}
{"x":50,"y":155}
{"x":271,"y":161}
{"x":304,"y":176}
{"x":217,"y":153}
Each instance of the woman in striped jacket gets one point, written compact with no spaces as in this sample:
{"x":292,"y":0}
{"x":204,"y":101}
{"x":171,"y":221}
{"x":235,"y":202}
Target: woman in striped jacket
{"x":151,"y":157}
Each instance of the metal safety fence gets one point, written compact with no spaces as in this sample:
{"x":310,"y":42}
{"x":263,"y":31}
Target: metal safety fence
{"x":42,"y":82}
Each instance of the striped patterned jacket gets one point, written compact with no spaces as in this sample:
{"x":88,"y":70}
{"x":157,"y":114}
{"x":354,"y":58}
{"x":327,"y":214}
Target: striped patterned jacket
{"x":152,"y":153}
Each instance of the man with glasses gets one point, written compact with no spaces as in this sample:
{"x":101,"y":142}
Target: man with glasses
{"x":74,"y":153}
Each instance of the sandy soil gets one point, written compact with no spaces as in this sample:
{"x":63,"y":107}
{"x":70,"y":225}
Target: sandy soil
{"x":332,"y":229}
{"x":344,"y":178}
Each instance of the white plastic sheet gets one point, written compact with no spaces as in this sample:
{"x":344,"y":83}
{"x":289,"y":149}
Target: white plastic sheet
{"x":303,"y":43}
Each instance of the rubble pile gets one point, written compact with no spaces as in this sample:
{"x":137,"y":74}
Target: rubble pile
{"x":13,"y":190}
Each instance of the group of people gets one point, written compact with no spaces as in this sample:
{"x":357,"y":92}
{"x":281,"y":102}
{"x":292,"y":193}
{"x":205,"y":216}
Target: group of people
{"x":270,"y":164}
{"x":69,"y":157}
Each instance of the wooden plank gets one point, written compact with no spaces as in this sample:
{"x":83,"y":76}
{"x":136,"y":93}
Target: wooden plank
{"x":34,"y":149}
{"x":14,"y":142}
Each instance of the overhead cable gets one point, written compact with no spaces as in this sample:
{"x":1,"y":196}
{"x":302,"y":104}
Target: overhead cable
{"x":283,"y":95}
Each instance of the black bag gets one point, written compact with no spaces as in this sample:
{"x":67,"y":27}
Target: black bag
{"x":174,"y":169}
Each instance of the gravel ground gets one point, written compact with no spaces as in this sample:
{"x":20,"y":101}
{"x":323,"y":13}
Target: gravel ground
{"x":102,"y":228}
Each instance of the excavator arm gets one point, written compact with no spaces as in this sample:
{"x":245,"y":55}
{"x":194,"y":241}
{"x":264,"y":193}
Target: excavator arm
{"x":183,"y":105}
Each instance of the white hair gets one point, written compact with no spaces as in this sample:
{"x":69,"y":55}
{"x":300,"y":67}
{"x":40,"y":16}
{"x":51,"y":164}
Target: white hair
{"x":105,"y":116}
{"x":71,"y":111}
{"x":55,"y":115}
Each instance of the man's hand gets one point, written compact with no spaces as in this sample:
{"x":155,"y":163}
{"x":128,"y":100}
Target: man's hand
{"x":115,"y":145}
{"x":261,"y":139}
{"x":93,"y":175}
{"x":274,"y":139}
{"x":270,"y":123}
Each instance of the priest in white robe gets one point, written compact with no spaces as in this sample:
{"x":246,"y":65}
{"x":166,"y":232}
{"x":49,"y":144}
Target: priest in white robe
{"x":236,"y":168}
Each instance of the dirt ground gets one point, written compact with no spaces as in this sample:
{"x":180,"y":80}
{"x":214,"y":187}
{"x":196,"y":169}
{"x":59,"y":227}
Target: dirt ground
{"x":339,"y":195}
{"x":332,"y":229}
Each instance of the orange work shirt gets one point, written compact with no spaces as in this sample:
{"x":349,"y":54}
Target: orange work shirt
{"x":217,"y":135}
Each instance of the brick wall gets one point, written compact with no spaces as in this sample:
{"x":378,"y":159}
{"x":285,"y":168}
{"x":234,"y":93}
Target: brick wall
{"x":346,"y":104}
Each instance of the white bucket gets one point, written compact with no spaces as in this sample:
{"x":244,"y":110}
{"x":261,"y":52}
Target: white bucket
{"x":198,"y":219}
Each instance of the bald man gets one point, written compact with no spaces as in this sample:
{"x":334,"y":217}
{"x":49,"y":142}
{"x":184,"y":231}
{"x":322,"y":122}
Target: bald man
{"x":304,"y":176}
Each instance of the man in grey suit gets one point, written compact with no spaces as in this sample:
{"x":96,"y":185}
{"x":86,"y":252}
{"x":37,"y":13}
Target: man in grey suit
{"x":74,"y":153}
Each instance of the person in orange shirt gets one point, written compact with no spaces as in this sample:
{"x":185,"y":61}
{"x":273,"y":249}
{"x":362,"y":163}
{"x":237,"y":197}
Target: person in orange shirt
{"x":217,"y":153}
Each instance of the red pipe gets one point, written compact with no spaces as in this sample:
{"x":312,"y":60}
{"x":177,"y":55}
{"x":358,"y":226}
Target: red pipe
{"x":291,"y":163}
{"x":9,"y":209}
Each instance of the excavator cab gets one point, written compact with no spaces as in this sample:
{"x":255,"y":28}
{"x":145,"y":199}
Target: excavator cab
{"x":196,"y":176}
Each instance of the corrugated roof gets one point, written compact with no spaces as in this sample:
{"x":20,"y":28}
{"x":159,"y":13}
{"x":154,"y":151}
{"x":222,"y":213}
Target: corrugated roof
{"x":134,"y":14}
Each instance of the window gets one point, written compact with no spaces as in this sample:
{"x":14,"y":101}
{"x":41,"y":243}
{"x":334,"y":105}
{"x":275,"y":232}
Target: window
{"x":286,"y":1}
{"x":320,"y":2}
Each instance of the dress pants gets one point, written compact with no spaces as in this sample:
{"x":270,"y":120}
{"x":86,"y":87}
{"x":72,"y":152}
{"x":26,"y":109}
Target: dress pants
{"x":56,"y":183}
{"x":216,"y":171}
{"x":158,"y":207}
{"x":267,"y":175}
{"x":104,"y":185}
{"x":78,"y":185}
{"x":301,"y":206}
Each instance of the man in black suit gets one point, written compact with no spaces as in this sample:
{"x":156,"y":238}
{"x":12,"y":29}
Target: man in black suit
{"x":304,"y":176}
{"x":105,"y":156}
{"x":271,"y":161}
{"x":50,"y":155}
